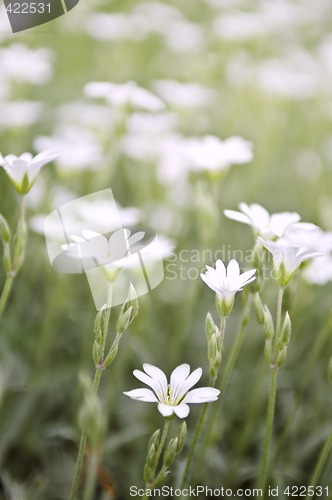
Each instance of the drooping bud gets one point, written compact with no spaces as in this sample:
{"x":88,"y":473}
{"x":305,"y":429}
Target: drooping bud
{"x":182,"y":436}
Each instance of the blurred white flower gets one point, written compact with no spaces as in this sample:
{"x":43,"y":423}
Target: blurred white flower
{"x":155,"y":124}
{"x":95,"y":117}
{"x":20,"y":113}
{"x":184,"y":95}
{"x":263,"y":224}
{"x":23,"y":170}
{"x":125,"y":94}
{"x":227,"y":282}
{"x":287,"y":258}
{"x":210,"y":153}
{"x":183,"y":36}
{"x":117,"y":26}
{"x":78,"y":148}
{"x":22,"y":64}
{"x":172,"y":398}
{"x":319,"y":271}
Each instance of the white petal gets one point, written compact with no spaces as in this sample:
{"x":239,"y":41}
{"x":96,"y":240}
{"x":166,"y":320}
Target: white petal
{"x":238,"y":216}
{"x":142,"y":395}
{"x":178,"y":377}
{"x":189,"y":382}
{"x":165,"y":410}
{"x":233,"y":270}
{"x":143,"y":377}
{"x":220,"y":267}
{"x":209,"y":283}
{"x":247,"y":277}
{"x":279,"y":222}
{"x":202,"y":395}
{"x":159,"y":376}
{"x":182,"y":411}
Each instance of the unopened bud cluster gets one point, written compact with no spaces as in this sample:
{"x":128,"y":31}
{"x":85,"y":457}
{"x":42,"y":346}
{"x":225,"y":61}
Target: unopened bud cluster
{"x":173,"y":448}
{"x":275,"y":349}
{"x":215,"y":346}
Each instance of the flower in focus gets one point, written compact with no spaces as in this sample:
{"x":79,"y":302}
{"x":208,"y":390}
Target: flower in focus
{"x":175,"y":396}
{"x":263,"y":224}
{"x":226,"y":283}
{"x":23,"y":170}
{"x":287,"y":258}
{"x":210,"y":153}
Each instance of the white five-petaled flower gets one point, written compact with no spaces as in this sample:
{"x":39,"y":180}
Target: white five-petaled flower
{"x":227,"y":282}
{"x":287,"y":258}
{"x":175,"y":396}
{"x":23,"y":170}
{"x":264,"y":224}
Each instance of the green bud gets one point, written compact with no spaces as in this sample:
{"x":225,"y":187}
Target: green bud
{"x":131,"y":302}
{"x":286,"y":330}
{"x":268,"y":351}
{"x":268,"y":323}
{"x":329,"y":371}
{"x":281,"y":357}
{"x":97,"y":353}
{"x":111,"y":355}
{"x":124,"y":320}
{"x":98,"y":326}
{"x":148,"y":474}
{"x":7,"y":261}
{"x":170,"y":453}
{"x":209,"y":326}
{"x":19,"y":245}
{"x":154,"y":439}
{"x":5,"y":234}
{"x":259,"y":309}
{"x":150,"y":459}
{"x":212,"y":348}
{"x":224,"y":305}
{"x":182,"y":436}
{"x":92,"y":414}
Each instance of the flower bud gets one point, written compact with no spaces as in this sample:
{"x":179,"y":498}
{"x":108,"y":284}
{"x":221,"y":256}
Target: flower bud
{"x":150,"y":459}
{"x":268,"y":351}
{"x":148,"y":474}
{"x":209,"y":326}
{"x":111,"y":355}
{"x":124,"y":320}
{"x":171,"y":452}
{"x":268,"y":323}
{"x":259,"y":309}
{"x":281,"y":357}
{"x":212,"y":348}
{"x":154,"y":439}
{"x":97,"y":353}
{"x":98,"y":326}
{"x":286,"y":330}
{"x":5,"y":234}
{"x":182,"y":436}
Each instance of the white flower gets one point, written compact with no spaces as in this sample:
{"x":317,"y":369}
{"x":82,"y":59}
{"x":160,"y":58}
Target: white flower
{"x":20,"y":113}
{"x":319,"y":271}
{"x":125,"y":94}
{"x":175,"y":396}
{"x":19,"y":63}
{"x":23,"y":170}
{"x":287,"y":258}
{"x":186,"y":95}
{"x":227,"y":283}
{"x":211,"y":153}
{"x":264,"y":224}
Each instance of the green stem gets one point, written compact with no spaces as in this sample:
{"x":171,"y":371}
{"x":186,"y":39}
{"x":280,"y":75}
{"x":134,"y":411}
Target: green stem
{"x":95,"y":386}
{"x":321,"y":462}
{"x":272,"y":398}
{"x":18,"y":256}
{"x":6,"y":292}
{"x":157,"y":457}
{"x":268,"y":432}
{"x":186,"y":472}
{"x":81,"y":450}
{"x":91,"y":475}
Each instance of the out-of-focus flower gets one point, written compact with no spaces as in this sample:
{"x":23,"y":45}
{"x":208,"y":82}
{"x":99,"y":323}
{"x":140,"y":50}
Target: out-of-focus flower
{"x":319,"y":271}
{"x":125,"y":94}
{"x":287,"y":258}
{"x":78,"y":148}
{"x":172,"y":398}
{"x":20,"y":113}
{"x":210,"y":153}
{"x":19,"y":63}
{"x":227,"y":282}
{"x":184,"y":95}
{"x":23,"y":170}
{"x":263,"y":224}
